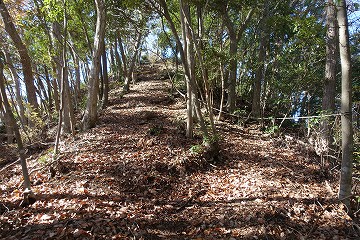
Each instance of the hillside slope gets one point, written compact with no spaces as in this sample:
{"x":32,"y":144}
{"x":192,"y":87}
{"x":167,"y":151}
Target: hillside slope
{"x":134,"y":177}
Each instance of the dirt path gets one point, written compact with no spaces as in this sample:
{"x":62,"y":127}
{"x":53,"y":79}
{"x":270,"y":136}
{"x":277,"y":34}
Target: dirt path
{"x":134,"y":177}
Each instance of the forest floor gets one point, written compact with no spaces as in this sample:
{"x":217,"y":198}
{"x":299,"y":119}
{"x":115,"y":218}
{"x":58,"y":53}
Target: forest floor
{"x":134,"y":176}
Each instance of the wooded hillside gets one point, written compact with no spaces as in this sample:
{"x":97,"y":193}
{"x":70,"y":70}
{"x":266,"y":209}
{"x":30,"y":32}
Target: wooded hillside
{"x":179,"y":119}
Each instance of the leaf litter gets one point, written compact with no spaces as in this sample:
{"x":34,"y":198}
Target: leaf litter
{"x":134,"y":177}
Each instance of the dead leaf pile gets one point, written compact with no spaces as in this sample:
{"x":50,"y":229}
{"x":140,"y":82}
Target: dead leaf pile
{"x":130,"y":178}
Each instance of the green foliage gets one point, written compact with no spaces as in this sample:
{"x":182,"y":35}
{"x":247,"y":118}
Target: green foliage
{"x":53,"y":10}
{"x":179,"y":81}
{"x":211,"y":140}
{"x":82,"y":102}
{"x":46,"y":156}
{"x":272,"y":130}
{"x":197,"y":149}
{"x":156,"y":130}
{"x":36,"y":124}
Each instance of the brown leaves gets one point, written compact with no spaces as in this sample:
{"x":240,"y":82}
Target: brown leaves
{"x":127,"y":179}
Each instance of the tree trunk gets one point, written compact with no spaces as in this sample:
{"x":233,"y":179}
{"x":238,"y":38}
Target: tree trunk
{"x":129,"y":72}
{"x":112,"y":59}
{"x":346,"y":103}
{"x":231,"y":101}
{"x":328,"y":101}
{"x":124,"y":62}
{"x":184,"y":61}
{"x":24,"y":56}
{"x":259,"y":75}
{"x":234,"y":37}
{"x":91,"y":113}
{"x":28,"y":195}
{"x":118,"y":61}
{"x":16,"y":80}
{"x":105,"y":99}
{"x":48,"y":84}
{"x":189,"y":53}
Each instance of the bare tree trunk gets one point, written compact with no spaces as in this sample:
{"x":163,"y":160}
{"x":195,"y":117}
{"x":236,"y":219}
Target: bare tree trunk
{"x":48,"y":84}
{"x":55,"y":87}
{"x":77,"y":81}
{"x":112,"y":59}
{"x":130,"y":70}
{"x":234,"y":36}
{"x":346,"y":103}
{"x":119,"y":69}
{"x":328,"y":101}
{"x":16,"y":80}
{"x":91,"y":112}
{"x":24,"y":56}
{"x":189,"y":53}
{"x":28,"y":195}
{"x":231,"y":101}
{"x":105,"y":99}
{"x":259,"y":75}
{"x":166,"y":14}
{"x":124,"y":61}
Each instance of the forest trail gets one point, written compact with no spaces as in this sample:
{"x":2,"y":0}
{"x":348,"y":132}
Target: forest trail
{"x":134,"y":177}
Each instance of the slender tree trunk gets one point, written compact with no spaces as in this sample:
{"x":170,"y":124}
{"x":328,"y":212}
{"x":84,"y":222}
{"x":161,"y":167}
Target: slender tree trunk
{"x":66,"y":101}
{"x":234,"y":37}
{"x":48,"y":84}
{"x":190,"y":60}
{"x":105,"y":99}
{"x":189,"y":53}
{"x":118,"y":62}
{"x":77,"y":73}
{"x":17,"y":86}
{"x":165,"y":12}
{"x":231,"y":101}
{"x":346,"y":104}
{"x":28,"y":195}
{"x":91,"y":112}
{"x":130,"y":70}
{"x":259,"y":76}
{"x":56,"y":88}
{"x":124,"y":61}
{"x":112,"y":59}
{"x":24,"y":56}
{"x":328,"y":101}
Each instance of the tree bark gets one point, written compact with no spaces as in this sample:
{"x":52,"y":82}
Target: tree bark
{"x":91,"y":112}
{"x":16,"y":80}
{"x":328,"y":101}
{"x":105,"y":99}
{"x":189,"y":53}
{"x":48,"y":84}
{"x":346,"y":103}
{"x":119,"y":69}
{"x":259,"y":74}
{"x":124,"y":61}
